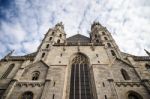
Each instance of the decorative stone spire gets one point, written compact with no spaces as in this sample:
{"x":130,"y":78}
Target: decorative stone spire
{"x":60,"y":24}
{"x":148,"y":53}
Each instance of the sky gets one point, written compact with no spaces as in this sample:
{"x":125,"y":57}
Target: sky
{"x":23,"y":23}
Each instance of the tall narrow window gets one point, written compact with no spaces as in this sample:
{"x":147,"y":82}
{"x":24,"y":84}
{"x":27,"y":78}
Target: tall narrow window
{"x":58,"y":41}
{"x":43,"y":54}
{"x":97,"y":41}
{"x":60,"y":35}
{"x":54,"y":84}
{"x":80,"y":84}
{"x":108,"y":44}
{"x":113,"y":53}
{"x":7,"y":72}
{"x":95,"y":36}
{"x":125,"y":74}
{"x":103,"y":84}
{"x":53,"y":33}
{"x":47,"y":46}
{"x":105,"y":38}
{"x":27,"y":95}
{"x":50,"y":38}
{"x":35,"y":75}
{"x":53,"y":96}
{"x":103,"y":33}
{"x":105,"y":97}
{"x":1,"y":93}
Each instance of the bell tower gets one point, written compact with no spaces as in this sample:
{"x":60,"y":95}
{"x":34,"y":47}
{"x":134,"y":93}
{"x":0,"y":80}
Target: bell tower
{"x":54,"y":35}
{"x":100,"y":34}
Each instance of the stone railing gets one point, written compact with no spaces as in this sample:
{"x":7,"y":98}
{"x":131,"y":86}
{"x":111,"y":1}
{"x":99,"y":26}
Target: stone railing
{"x":30,"y":83}
{"x":131,"y":84}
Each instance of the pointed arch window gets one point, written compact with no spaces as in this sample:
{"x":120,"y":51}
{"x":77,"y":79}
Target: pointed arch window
{"x":95,"y":36}
{"x":103,"y":33}
{"x":58,"y":41}
{"x":60,"y":35}
{"x":108,"y":44}
{"x":35,"y":75}
{"x":105,"y":38}
{"x":50,"y":38}
{"x":97,"y":41}
{"x":27,"y":95}
{"x":47,"y":46}
{"x":43,"y":54}
{"x":125,"y":74}
{"x":80,"y":84}
{"x":53,"y":33}
{"x":7,"y":72}
{"x":113,"y":53}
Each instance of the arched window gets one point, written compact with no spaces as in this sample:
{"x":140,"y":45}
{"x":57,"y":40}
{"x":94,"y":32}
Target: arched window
{"x":147,"y":66}
{"x":27,"y":95}
{"x":80,"y":82}
{"x":47,"y":46}
{"x":103,"y":33}
{"x":105,"y":38}
{"x":53,"y":33}
{"x":125,"y":74}
{"x":95,"y":36}
{"x":108,"y":44}
{"x":50,"y":38}
{"x":113,"y":53}
{"x":97,"y":41}
{"x":134,"y":95}
{"x":60,"y":35}
{"x":58,"y":41}
{"x":7,"y":72}
{"x":43,"y":54}
{"x":35,"y":75}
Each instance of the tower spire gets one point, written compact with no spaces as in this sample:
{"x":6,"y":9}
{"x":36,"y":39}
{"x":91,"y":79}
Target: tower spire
{"x":148,"y":53}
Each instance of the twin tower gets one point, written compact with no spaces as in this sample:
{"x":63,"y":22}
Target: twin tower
{"x":77,"y":67}
{"x":99,"y":36}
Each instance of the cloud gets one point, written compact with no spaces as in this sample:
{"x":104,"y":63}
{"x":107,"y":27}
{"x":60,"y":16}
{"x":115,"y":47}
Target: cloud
{"x":23,"y":23}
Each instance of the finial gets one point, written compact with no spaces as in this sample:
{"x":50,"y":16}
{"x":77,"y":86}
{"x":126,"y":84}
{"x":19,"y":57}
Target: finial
{"x":9,"y":54}
{"x":148,"y":53}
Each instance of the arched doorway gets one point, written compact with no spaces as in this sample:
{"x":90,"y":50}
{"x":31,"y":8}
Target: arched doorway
{"x":134,"y":95}
{"x":80,"y":84}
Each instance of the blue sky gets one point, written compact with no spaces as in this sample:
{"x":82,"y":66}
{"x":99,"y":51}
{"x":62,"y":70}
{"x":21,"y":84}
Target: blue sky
{"x":23,"y":23}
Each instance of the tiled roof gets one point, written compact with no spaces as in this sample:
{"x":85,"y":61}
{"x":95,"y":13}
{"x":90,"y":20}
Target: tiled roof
{"x":78,"y":38}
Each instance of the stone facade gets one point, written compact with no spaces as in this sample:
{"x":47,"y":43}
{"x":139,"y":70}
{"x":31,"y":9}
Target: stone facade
{"x":48,"y":73}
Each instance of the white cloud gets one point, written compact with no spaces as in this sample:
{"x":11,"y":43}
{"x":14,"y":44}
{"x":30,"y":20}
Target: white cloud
{"x":127,"y":20}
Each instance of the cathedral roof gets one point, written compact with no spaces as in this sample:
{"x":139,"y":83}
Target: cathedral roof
{"x":78,"y":38}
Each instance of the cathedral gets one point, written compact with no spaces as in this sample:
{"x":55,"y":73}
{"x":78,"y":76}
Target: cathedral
{"x":77,"y":67}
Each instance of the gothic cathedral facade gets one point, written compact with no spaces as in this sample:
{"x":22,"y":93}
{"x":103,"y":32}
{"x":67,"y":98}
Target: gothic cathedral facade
{"x":77,"y":67}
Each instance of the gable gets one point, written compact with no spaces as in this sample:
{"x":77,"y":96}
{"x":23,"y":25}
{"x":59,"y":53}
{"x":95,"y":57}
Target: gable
{"x":78,"y":38}
{"x":39,"y":66}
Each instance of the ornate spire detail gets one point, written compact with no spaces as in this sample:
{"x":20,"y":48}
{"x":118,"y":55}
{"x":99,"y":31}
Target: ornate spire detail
{"x":148,"y":53}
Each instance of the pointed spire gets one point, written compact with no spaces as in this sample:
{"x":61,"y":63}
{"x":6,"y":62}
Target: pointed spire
{"x":9,"y":54}
{"x":148,"y":53}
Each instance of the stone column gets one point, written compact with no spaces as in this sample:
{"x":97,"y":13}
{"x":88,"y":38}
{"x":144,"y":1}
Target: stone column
{"x":113,"y":90}
{"x":9,"y":89}
{"x":45,"y":90}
